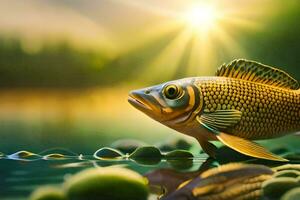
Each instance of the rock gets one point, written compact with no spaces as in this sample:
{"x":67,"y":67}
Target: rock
{"x":174,"y":144}
{"x":127,"y":145}
{"x":146,"y":152}
{"x":48,"y":193}
{"x":178,"y":154}
{"x":276,"y":187}
{"x":293,"y":194}
{"x":106,"y":153}
{"x":24,"y":155}
{"x":148,"y":155}
{"x":111,"y":183}
{"x":54,"y":156}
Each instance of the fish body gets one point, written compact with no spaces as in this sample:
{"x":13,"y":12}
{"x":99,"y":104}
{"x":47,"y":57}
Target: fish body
{"x":245,"y":101}
{"x":267,"y":111}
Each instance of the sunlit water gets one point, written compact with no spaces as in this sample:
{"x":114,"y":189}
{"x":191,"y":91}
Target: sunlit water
{"x":24,"y":171}
{"x":83,"y":121}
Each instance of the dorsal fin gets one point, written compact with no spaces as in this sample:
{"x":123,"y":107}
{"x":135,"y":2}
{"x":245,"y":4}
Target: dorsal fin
{"x":257,"y":72}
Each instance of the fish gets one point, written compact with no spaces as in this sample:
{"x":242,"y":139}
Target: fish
{"x":230,"y":181}
{"x":244,"y":101}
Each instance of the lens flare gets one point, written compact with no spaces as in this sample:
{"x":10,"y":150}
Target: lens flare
{"x":201,"y":17}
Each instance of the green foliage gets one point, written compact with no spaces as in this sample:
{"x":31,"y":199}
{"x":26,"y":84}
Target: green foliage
{"x":53,"y":66}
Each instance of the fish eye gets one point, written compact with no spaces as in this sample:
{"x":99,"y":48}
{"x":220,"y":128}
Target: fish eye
{"x":172,"y":91}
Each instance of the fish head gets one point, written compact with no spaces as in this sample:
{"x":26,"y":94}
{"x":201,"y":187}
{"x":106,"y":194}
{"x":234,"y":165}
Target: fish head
{"x":172,"y":103}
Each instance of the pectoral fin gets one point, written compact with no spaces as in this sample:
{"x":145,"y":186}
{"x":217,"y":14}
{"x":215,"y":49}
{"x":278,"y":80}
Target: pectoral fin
{"x":220,"y":119}
{"x":247,"y":147}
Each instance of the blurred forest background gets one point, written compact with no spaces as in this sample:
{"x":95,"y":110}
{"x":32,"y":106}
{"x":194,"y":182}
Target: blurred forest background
{"x":66,"y":66}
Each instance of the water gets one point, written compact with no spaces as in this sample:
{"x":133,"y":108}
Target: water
{"x":81,"y":122}
{"x":24,"y":171}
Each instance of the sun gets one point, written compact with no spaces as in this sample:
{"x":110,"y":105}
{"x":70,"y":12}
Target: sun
{"x":201,"y":17}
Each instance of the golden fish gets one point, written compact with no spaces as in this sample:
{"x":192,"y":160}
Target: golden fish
{"x":230,"y":181}
{"x":244,"y":101}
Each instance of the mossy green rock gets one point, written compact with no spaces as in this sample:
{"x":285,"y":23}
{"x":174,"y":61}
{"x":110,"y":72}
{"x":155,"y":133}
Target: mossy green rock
{"x":54,"y":156}
{"x":146,"y":152}
{"x":110,"y":183}
{"x":148,"y":155}
{"x":287,"y":173}
{"x":293,"y":194}
{"x":173,"y":144}
{"x":127,"y":145}
{"x":276,"y":187}
{"x":179,"y":154}
{"x":107,"y":153}
{"x":48,"y":193}
{"x":24,"y":155}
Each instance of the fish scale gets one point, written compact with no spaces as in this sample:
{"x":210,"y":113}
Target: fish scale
{"x":267,"y":111}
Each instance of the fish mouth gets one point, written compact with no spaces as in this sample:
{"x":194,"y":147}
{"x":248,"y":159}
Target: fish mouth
{"x":138,"y":102}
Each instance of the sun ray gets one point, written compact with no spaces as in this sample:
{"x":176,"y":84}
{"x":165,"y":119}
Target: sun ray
{"x":202,"y":58}
{"x":208,"y":35}
{"x":168,"y":59}
{"x":149,"y":34}
{"x":227,"y":42}
{"x":241,"y":23}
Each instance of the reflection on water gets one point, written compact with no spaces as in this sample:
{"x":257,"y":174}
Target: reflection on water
{"x":24,"y":171}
